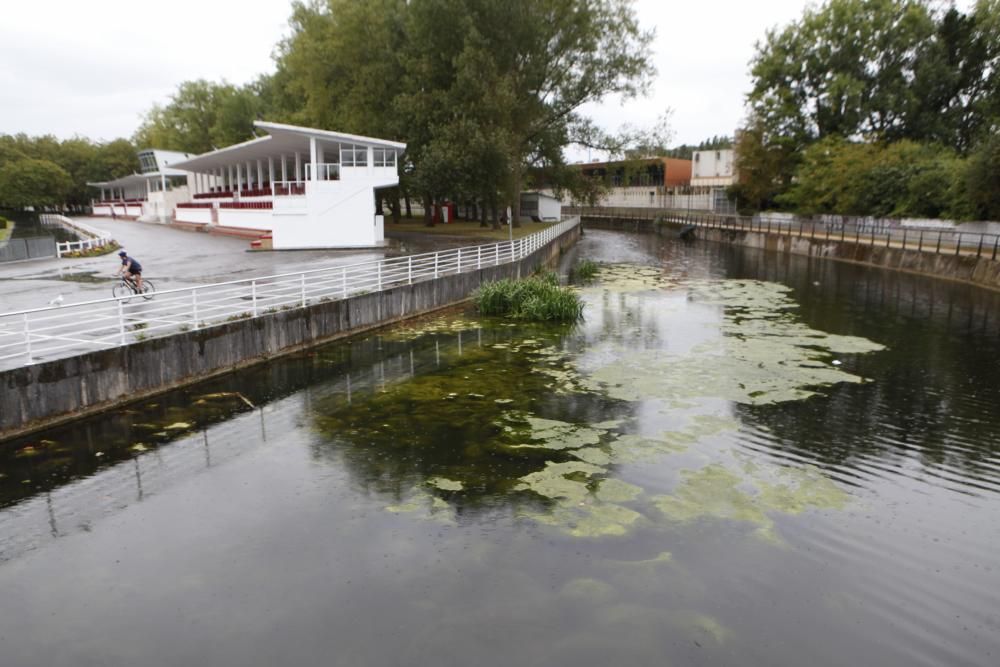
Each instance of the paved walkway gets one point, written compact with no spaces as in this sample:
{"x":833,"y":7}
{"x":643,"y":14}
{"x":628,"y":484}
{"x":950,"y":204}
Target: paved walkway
{"x":172,"y":258}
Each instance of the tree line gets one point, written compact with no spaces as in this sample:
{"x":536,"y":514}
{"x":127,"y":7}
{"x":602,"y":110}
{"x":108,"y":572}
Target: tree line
{"x":876,"y":107}
{"x":46,"y":172}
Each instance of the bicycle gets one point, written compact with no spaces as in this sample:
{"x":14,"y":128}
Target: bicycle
{"x":126,"y":287}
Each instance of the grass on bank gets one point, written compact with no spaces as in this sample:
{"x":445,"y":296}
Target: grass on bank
{"x":6,"y":228}
{"x":467,"y":228}
{"x":536,"y":299}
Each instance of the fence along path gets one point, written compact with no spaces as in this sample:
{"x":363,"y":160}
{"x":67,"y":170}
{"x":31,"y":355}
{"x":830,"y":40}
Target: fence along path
{"x":43,"y":334}
{"x":874,"y":233}
{"x":90,"y":237}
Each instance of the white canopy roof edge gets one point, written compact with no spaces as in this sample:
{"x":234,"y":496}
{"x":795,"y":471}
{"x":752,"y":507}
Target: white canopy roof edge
{"x":282,"y":139}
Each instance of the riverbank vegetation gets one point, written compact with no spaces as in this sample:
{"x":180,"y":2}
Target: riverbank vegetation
{"x":898,"y":120}
{"x":6,"y":228}
{"x":535,"y":299}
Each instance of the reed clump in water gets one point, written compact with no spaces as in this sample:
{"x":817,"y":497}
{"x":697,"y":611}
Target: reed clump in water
{"x":535,"y":299}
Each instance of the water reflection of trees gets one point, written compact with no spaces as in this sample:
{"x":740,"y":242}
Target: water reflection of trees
{"x":935,"y":385}
{"x":436,"y":415}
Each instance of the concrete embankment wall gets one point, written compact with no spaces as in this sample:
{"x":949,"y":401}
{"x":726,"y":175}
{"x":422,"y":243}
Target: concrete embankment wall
{"x":43,"y":394}
{"x":980,"y":271}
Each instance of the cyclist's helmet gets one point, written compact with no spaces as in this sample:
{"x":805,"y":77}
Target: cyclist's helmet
{"x":122,"y":253}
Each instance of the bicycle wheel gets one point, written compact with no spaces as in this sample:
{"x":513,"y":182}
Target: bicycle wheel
{"x":121,"y":289}
{"x":148,"y":288}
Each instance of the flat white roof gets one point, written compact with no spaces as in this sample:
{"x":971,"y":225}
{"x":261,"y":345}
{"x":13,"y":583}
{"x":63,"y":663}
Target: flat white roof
{"x":281,"y":139}
{"x":137,"y":179}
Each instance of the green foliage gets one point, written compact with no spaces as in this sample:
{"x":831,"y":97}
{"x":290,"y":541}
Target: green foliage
{"x":200,"y":117}
{"x":584,"y":271}
{"x":537,"y":299}
{"x":30,"y":182}
{"x":903,"y":179}
{"x":868,"y":107}
{"x":982,"y":180}
{"x":83,"y":160}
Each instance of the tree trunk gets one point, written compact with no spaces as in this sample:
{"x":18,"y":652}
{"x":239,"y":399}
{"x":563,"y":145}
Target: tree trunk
{"x":428,"y":211}
{"x":406,"y":200}
{"x":394,"y":205}
{"x":496,"y":218}
{"x":481,"y":214}
{"x":378,"y":205}
{"x":517,"y":178}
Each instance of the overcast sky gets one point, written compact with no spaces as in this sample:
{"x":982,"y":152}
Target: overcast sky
{"x":92,"y":68}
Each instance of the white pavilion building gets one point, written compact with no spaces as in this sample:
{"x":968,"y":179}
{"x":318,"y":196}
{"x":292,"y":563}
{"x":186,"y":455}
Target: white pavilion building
{"x":151,"y":194}
{"x":302,"y":187}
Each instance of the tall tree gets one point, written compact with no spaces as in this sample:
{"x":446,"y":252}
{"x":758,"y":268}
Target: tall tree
{"x":32,"y":182}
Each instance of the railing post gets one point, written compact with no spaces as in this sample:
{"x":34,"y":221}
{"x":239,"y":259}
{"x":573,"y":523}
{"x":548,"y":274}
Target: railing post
{"x":253,"y":297}
{"x":194,"y":307}
{"x":378,"y":276}
{"x":27,"y":339}
{"x":479,"y":256}
{"x":958,"y":245}
{"x":435,"y":265}
{"x":979,"y":250}
{"x":498,"y":254}
{"x":996,"y":243}
{"x":937,"y":251}
{"x":302,"y":288}
{"x":121,"y":323}
{"x":459,"y":270}
{"x":905,"y":230}
{"x":920,"y":241}
{"x":409,"y":270}
{"x":343,"y":282}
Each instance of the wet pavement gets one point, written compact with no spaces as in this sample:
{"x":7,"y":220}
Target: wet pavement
{"x":173,"y":258}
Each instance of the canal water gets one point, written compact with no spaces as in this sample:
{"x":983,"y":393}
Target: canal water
{"x":737,"y":458}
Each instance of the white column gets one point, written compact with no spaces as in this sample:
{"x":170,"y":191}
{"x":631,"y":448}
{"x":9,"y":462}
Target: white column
{"x":260,"y":174}
{"x":249,"y":174}
{"x":102,"y":193}
{"x":312,"y":157}
{"x":149,"y":188}
{"x":229,"y":182}
{"x":284,"y":168}
{"x":270,"y":170}
{"x":298,"y":166}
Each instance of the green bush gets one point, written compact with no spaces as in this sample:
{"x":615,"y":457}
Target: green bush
{"x":538,"y":299}
{"x":584,"y":272}
{"x":3,"y":222}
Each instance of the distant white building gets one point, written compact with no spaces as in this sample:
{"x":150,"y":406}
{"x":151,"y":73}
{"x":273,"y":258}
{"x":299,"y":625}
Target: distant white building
{"x":716,"y":168}
{"x":539,"y":206}
{"x":152,"y":193}
{"x":304,"y":187}
{"x":712,"y":172}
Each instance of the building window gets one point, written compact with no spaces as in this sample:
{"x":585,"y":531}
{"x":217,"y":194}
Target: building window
{"x":354,"y":156}
{"x":383,"y":157}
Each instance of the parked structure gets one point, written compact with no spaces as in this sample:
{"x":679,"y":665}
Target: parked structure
{"x":153,"y":193}
{"x":539,"y":206}
{"x":303,"y":187}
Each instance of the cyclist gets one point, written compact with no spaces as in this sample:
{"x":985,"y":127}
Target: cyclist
{"x":132,"y":270}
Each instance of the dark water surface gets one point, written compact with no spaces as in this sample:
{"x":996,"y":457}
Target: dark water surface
{"x":739,"y":458}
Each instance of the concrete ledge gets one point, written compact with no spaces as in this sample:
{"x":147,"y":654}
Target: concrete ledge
{"x":41,"y":395}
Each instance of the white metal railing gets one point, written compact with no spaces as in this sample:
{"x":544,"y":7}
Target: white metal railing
{"x":92,"y":237}
{"x":325,"y":171}
{"x":42,"y":334}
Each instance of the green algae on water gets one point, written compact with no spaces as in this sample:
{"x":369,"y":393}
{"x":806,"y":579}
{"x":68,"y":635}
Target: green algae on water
{"x":716,"y":492}
{"x":765,"y":354}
